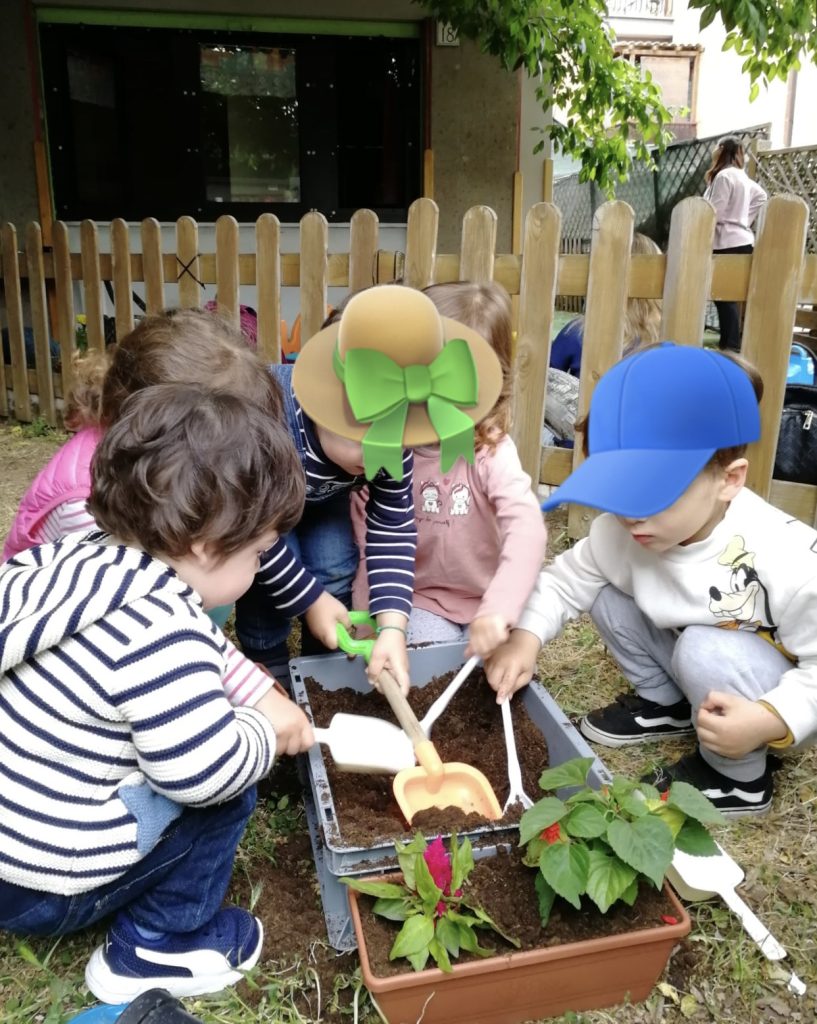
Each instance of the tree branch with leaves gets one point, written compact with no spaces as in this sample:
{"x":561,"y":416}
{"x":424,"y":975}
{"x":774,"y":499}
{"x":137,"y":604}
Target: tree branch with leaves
{"x":614,"y":114}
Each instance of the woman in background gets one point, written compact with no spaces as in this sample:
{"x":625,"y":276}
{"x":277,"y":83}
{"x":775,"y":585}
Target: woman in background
{"x":737,"y":201}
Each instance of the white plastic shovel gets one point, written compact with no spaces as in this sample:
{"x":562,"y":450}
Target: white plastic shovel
{"x":359,"y":743}
{"x":701,"y":878}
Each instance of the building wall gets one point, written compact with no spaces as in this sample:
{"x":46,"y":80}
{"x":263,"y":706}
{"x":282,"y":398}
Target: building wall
{"x":474,"y":112}
{"x":18,"y":188}
{"x":474,"y":108}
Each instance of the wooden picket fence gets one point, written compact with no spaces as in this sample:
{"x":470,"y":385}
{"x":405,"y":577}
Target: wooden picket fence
{"x":771,"y":282}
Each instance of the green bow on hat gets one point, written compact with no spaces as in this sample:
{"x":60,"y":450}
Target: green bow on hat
{"x":380,"y":391}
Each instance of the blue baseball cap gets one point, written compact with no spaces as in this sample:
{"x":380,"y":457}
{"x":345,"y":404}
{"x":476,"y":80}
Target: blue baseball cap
{"x":656,"y":419}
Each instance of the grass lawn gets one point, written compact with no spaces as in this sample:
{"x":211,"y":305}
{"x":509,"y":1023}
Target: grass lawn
{"x":717,"y":975}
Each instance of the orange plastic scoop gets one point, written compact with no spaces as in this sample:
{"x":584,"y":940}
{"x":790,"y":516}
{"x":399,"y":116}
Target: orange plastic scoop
{"x":433,"y":783}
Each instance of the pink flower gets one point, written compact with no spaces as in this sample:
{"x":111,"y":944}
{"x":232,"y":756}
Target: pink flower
{"x":441,"y":908}
{"x":439,"y":864}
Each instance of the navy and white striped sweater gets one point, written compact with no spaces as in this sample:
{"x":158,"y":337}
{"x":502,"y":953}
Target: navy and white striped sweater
{"x":112,"y":712}
{"x":391,"y":530}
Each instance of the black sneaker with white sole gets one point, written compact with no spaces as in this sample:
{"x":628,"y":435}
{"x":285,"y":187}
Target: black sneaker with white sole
{"x":633,"y":719}
{"x":733,"y":799}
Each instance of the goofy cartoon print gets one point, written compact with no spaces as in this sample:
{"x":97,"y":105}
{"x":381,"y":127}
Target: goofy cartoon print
{"x":744,"y":602}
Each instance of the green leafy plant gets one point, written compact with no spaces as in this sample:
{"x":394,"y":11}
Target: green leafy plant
{"x":602,"y":843}
{"x":438,"y":921}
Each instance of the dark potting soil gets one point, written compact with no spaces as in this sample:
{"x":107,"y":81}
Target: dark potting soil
{"x":469,"y":730}
{"x":504,"y":887}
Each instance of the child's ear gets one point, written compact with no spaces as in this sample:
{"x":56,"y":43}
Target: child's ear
{"x":734,"y":478}
{"x":202,"y":554}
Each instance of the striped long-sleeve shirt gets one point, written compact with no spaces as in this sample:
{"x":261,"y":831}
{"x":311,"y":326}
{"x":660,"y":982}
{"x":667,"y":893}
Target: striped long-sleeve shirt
{"x":391,"y":532}
{"x":112,"y":712}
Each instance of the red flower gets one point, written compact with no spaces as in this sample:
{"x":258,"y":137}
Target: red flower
{"x":669,"y":919}
{"x":441,"y":908}
{"x":439,"y":864}
{"x":665,"y":796}
{"x":552,"y":834}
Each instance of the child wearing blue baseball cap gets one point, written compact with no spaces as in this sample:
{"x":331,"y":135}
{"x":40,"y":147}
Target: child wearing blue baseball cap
{"x":705,"y":594}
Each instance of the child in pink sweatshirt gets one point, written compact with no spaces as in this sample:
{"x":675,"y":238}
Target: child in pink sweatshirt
{"x":480,"y":533}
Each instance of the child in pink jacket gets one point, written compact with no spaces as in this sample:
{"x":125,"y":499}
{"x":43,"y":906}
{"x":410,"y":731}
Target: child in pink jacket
{"x":186,"y":346}
{"x":480,"y":533}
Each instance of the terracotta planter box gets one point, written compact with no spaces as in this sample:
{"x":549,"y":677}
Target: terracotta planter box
{"x":527,"y":985}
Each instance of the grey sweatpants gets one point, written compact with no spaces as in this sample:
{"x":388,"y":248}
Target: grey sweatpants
{"x":665,"y":666}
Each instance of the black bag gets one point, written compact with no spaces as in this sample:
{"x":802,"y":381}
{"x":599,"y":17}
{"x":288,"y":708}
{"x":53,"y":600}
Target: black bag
{"x":796,"y":457}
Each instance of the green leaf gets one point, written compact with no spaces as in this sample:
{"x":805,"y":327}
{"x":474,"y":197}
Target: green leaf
{"x":585,"y":821}
{"x":418,"y":960}
{"x":406,"y":853}
{"x":608,"y":879}
{"x":383,"y":890}
{"x":645,"y":844}
{"x":532,"y":851}
{"x":708,"y":17}
{"x":694,"y":804}
{"x":427,"y":890}
{"x":536,"y":819}
{"x":440,"y":955}
{"x":392,"y":910}
{"x":448,"y":933}
{"x":462,"y":863}
{"x":546,"y":896}
{"x":565,"y":867}
{"x":695,"y":840}
{"x":413,"y":937}
{"x":569,"y":773}
{"x":630,"y":895}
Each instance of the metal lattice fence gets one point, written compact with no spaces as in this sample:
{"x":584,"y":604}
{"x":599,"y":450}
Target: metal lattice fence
{"x":792,"y":170}
{"x":652,"y":194}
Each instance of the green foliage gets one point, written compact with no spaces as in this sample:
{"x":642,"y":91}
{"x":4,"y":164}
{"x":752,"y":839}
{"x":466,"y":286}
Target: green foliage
{"x":437,"y":919}
{"x":612,"y":115}
{"x":601,"y":843}
{"x":770,"y":36}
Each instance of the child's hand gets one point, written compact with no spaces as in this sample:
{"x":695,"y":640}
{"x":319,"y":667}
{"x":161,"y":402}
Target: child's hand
{"x":511,"y":666}
{"x":293,"y":733}
{"x":323,"y":617}
{"x":390,"y":652}
{"x":732,"y":726}
{"x":485,"y":634}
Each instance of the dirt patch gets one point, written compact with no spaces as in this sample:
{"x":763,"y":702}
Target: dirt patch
{"x":21,"y":458}
{"x":470,"y":730}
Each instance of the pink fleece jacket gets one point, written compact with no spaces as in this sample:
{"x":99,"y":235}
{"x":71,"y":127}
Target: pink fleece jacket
{"x":67,"y":477}
{"x":480,"y":536}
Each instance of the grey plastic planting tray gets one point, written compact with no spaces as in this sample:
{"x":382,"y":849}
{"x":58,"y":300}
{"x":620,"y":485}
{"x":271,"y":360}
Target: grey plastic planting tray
{"x":332,"y":672}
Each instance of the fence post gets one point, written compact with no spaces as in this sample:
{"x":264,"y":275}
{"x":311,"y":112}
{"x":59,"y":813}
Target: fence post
{"x":268,"y":286}
{"x":227,"y":269}
{"x":537,"y":293}
{"x":314,"y":256}
{"x":153,"y":270}
{"x":607,"y":289}
{"x":363,"y":238}
{"x":92,"y":286}
{"x":421,"y":243}
{"x":187,"y":262}
{"x":688,"y":278}
{"x":66,"y":323}
{"x":122,"y":280}
{"x":39,"y":322}
{"x":774,"y":282}
{"x":478,"y":245}
{"x":14,"y":316}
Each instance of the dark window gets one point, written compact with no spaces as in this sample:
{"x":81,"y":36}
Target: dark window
{"x":164,"y":122}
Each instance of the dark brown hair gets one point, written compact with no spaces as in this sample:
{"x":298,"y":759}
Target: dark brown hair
{"x":486,"y":309}
{"x":179,"y":346}
{"x":187,"y":463}
{"x":723,"y":457}
{"x":728,"y":153}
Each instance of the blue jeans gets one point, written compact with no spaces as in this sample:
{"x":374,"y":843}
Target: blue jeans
{"x":325,"y":546}
{"x":177,"y":887}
